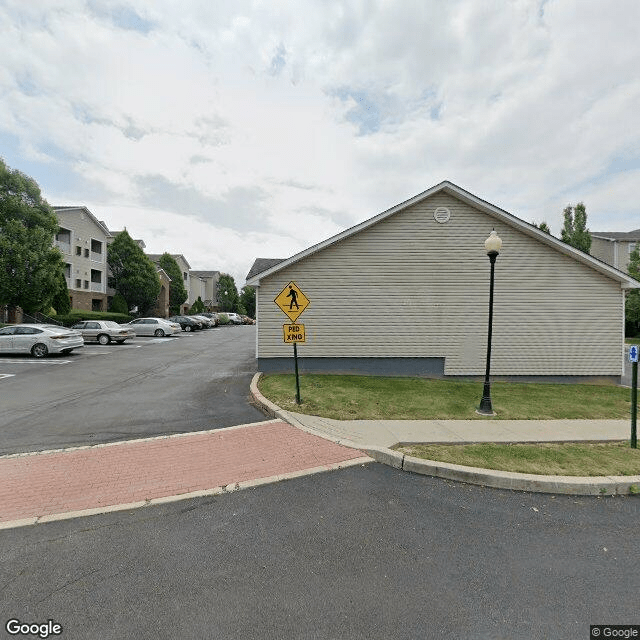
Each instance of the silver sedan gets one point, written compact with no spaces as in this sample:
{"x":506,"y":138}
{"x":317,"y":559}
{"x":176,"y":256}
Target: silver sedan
{"x":103,"y":331}
{"x":153,"y":327}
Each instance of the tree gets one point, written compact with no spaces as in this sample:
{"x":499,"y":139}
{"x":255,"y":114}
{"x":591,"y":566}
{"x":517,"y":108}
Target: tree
{"x":574,"y":231}
{"x":60,"y":301}
{"x":197,"y":307}
{"x":227,"y":293}
{"x":248,"y":300}
{"x":543,"y":226}
{"x":632,"y":303}
{"x":119,"y":305}
{"x":30,"y":266}
{"x":177,"y":293}
{"x":133,"y":275}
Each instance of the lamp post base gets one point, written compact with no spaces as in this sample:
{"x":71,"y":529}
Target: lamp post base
{"x":480,"y":412}
{"x":485,"y":408}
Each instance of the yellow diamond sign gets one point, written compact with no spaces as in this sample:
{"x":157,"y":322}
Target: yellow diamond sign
{"x":292,"y":301}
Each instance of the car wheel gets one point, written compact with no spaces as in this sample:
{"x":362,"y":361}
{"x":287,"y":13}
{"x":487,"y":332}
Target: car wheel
{"x":104,"y":339}
{"x":39,"y":350}
{"x":158,"y":333}
{"x":188,"y":328}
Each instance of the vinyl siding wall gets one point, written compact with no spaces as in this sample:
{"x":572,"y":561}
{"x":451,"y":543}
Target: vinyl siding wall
{"x":603,"y":250}
{"x":412,"y":287}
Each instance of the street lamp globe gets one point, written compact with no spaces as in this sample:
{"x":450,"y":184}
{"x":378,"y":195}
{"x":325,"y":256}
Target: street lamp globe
{"x":493,"y":244}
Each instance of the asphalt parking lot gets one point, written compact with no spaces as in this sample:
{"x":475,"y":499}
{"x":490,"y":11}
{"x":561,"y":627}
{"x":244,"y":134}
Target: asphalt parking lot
{"x":146,"y":387}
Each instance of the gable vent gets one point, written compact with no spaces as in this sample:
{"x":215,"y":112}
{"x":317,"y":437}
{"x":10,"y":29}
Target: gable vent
{"x":442,"y":215}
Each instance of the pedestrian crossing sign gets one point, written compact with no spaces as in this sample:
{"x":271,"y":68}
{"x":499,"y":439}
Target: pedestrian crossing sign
{"x":293,"y":332}
{"x":292,"y":301}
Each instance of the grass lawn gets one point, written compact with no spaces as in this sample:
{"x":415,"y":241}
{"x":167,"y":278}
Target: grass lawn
{"x":372,"y":397}
{"x":565,"y":459}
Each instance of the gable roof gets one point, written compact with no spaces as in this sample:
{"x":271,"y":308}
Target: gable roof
{"x":262,"y":264}
{"x":629,"y":236}
{"x":626,"y":281}
{"x":204,"y":274}
{"x":101,"y":225}
{"x":154,"y":257}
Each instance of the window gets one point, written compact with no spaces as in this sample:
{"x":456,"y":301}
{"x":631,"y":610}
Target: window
{"x":7,"y":331}
{"x":86,"y":253}
{"x":96,"y":276}
{"x":86,"y":284}
{"x":185,"y":275}
{"x":26,"y":331}
{"x":78,"y":251}
{"x":78,"y":283}
{"x":63,"y":235}
{"x":96,"y":246}
{"x":67,"y":270}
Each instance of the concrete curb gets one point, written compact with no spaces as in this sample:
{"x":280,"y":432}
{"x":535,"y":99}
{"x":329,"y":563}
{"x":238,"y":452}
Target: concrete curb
{"x":571,"y":485}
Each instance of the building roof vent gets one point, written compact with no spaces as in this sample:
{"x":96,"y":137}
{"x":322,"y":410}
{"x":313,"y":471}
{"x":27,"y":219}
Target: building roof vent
{"x":442,"y":215}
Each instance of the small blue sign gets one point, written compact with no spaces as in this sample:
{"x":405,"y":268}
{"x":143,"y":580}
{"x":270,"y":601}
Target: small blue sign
{"x":633,"y":353}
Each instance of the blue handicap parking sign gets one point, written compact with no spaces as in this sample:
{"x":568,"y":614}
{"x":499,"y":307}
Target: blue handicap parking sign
{"x":633,"y":353}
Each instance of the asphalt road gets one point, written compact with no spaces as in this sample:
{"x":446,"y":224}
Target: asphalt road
{"x":367,"y":552}
{"x":150,"y":387}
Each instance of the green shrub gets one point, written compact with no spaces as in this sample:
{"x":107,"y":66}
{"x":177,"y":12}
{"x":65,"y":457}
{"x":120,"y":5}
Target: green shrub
{"x":78,"y":314}
{"x":119,"y":305}
{"x":223,"y":318}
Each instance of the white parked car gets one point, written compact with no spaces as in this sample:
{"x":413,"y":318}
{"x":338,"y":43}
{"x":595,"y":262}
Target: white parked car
{"x":153,"y":327}
{"x":39,"y":340}
{"x":234,"y":318}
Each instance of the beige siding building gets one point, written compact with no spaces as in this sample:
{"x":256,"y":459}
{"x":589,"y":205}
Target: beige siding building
{"x":406,"y":293}
{"x":203,"y":284}
{"x":614,"y":247}
{"x":83,"y":240}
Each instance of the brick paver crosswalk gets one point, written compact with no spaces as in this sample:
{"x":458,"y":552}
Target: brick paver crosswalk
{"x":36,"y":485}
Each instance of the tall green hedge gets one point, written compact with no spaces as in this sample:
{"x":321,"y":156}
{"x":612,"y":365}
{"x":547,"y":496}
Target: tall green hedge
{"x":78,"y":314}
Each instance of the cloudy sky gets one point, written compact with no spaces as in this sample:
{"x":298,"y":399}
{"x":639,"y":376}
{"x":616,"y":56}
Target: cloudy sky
{"x":227,"y":131}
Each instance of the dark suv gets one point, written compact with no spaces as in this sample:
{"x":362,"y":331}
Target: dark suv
{"x":187,"y":323}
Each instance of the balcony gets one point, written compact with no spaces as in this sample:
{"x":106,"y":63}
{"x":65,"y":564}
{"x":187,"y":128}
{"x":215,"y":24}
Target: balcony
{"x":97,"y":287}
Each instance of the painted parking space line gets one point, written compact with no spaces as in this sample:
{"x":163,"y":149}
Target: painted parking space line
{"x":32,"y":361}
{"x":7,"y":375}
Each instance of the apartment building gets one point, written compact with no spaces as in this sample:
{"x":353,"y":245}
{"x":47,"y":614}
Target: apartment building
{"x":83,"y":240}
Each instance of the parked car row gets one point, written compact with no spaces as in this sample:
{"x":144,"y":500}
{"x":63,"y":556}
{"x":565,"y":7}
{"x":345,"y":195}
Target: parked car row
{"x":39,"y":340}
{"x":194,"y":323}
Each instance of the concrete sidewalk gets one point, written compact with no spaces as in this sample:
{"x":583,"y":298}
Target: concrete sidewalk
{"x":376,"y":437}
{"x":387,"y":433}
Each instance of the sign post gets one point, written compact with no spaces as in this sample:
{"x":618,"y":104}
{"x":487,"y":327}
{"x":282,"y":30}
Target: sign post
{"x":633,"y":357}
{"x":293,"y":302}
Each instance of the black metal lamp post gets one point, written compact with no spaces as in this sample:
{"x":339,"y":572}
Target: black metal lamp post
{"x":492,"y":244}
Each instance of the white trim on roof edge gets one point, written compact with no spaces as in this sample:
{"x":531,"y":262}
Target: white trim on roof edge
{"x":626,"y":281}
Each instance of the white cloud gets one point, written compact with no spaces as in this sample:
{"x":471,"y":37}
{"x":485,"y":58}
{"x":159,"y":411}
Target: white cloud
{"x":309,"y":118}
